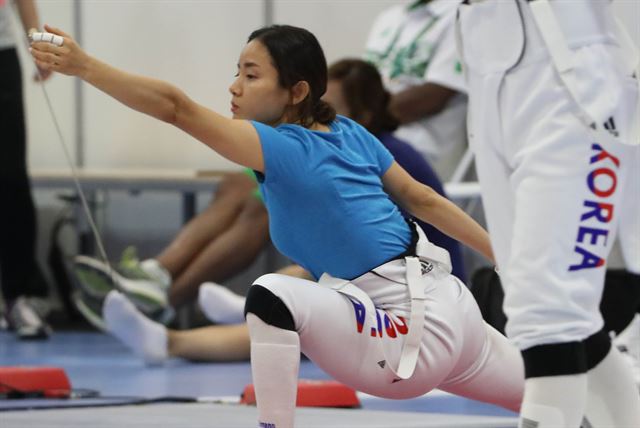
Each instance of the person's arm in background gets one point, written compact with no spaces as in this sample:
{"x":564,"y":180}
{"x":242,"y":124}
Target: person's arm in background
{"x":28,"y":13}
{"x":443,"y":80}
{"x":419,"y":102}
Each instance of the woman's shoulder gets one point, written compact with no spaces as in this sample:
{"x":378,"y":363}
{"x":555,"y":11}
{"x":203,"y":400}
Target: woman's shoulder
{"x":343,"y":123}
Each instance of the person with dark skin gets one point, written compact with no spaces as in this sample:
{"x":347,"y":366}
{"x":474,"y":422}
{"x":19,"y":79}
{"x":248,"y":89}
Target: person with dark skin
{"x":413,"y":46}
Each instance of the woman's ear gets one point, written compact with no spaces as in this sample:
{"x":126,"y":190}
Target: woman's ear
{"x":299,"y":92}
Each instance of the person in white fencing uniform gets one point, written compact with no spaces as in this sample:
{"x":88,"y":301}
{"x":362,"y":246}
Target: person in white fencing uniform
{"x":399,"y":324}
{"x":553,"y":123}
{"x":413,"y":46}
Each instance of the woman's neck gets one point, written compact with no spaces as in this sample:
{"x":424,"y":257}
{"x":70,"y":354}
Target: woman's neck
{"x":319,"y":127}
{"x":315,"y":126}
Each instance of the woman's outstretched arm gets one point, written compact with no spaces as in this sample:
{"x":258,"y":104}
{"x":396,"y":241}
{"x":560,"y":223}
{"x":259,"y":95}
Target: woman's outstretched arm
{"x":427,"y":205}
{"x":236,"y":140}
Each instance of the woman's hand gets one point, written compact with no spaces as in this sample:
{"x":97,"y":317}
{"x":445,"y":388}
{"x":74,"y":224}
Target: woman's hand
{"x":67,"y":59}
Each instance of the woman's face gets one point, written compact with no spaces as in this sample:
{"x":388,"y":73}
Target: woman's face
{"x":335,"y":97}
{"x":256,"y":93}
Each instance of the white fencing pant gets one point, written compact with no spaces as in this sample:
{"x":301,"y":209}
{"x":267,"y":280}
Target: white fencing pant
{"x":459,"y":352}
{"x":552,"y":193}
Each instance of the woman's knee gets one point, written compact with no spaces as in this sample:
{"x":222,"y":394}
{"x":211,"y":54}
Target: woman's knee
{"x":263,"y":301}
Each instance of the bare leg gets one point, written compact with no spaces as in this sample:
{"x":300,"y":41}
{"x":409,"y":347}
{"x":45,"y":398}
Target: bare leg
{"x":226,"y":255}
{"x":154,"y":343}
{"x":212,"y":343}
{"x":209,"y":224}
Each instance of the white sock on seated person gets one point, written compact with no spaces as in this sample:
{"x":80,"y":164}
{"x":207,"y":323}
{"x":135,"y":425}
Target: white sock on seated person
{"x":146,"y":338}
{"x":221,"y":305}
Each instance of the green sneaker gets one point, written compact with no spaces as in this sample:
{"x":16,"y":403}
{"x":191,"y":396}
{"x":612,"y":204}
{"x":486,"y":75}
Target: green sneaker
{"x":130,"y":266}
{"x":96,"y":283}
{"x":97,"y":279}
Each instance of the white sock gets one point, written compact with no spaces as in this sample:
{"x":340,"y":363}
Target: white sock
{"x":158,"y":272}
{"x":613,"y":399}
{"x":147,"y":339}
{"x":275,"y":361}
{"x":221,"y":305}
{"x":554,"y":401}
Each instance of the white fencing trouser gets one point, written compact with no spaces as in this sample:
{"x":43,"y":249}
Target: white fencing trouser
{"x":459,"y":353}
{"x":551,"y":191}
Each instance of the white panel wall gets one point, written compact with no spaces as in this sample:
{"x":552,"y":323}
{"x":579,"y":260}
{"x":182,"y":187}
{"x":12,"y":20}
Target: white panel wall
{"x":193,"y":44}
{"x":341,"y":26}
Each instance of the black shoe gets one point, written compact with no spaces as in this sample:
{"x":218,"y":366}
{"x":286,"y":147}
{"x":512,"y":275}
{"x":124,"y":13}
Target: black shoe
{"x":26,"y":322}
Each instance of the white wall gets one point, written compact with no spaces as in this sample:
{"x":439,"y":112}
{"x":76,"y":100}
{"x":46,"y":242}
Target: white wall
{"x":341,"y":26}
{"x":192,"y":44}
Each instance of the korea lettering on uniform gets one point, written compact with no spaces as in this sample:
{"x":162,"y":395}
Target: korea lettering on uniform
{"x":602,"y":181}
{"x":385,"y":323}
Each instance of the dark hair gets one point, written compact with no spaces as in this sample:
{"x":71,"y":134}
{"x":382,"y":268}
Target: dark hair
{"x":297,"y":56}
{"x":365,"y":94}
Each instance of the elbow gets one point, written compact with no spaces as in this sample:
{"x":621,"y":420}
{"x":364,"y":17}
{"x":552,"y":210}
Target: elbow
{"x":176,"y":105}
{"x":424,"y":201}
{"x":429,"y":198}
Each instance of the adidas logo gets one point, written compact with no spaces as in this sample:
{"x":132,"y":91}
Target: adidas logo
{"x":426,"y":267}
{"x":610,"y":126}
{"x":382,"y":363}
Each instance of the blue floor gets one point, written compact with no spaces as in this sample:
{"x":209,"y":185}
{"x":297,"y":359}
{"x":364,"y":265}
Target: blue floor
{"x":99,"y":362}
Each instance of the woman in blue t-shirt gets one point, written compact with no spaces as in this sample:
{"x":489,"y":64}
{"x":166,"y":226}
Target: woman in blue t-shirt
{"x":385,"y":315}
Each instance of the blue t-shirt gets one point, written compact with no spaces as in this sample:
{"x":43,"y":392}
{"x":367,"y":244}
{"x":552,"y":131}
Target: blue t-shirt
{"x":327,"y":209}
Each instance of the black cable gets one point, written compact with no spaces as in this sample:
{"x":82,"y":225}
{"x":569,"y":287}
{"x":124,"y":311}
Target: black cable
{"x":71,"y":404}
{"x":77,"y":396}
{"x":17,"y":393}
